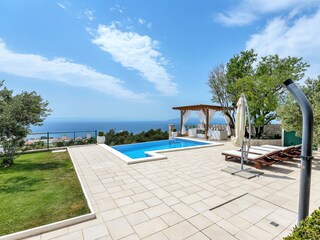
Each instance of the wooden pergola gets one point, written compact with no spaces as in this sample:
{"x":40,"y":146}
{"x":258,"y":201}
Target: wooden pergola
{"x":200,"y":107}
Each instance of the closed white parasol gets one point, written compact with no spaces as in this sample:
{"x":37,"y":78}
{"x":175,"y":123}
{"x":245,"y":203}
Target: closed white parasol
{"x":240,"y":128}
{"x":240,"y":123}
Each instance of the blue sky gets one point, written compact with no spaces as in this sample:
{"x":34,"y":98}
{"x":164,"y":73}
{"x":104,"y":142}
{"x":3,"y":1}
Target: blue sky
{"x":135,"y":60}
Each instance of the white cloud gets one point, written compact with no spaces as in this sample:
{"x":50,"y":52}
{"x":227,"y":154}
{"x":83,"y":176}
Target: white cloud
{"x":116,"y":8}
{"x":60,"y":69}
{"x":235,"y":18}
{"x":137,"y":52}
{"x":90,"y":14}
{"x":246,"y":12}
{"x":299,"y":37}
{"x":141,"y":21}
{"x":62,"y":6}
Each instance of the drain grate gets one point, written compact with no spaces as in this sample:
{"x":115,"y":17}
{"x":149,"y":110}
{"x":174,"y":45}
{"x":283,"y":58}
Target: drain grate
{"x":274,"y":224}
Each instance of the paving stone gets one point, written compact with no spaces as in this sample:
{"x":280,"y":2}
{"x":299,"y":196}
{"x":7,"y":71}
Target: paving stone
{"x":123,"y":201}
{"x":106,"y":204}
{"x":134,"y":207}
{"x":141,"y":196}
{"x":200,"y":221}
{"x":171,"y":200}
{"x":111,"y":214}
{"x":119,"y":228}
{"x":198,"y":236}
{"x":156,"y":236}
{"x":53,"y":234}
{"x":263,"y":235}
{"x":136,"y":218}
{"x":200,"y":207}
{"x":229,"y":227}
{"x":239,"y":222}
{"x":95,"y":232}
{"x":153,"y":201}
{"x":184,"y":210}
{"x":75,"y":236}
{"x":217,"y":233}
{"x":131,"y":237}
{"x":180,"y":231}
{"x":150,"y":227}
{"x":171,"y":218}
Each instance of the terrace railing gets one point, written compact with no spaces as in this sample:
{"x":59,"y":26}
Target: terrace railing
{"x":43,"y":140}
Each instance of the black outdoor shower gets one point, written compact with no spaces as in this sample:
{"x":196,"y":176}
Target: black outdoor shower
{"x":306,"y":151}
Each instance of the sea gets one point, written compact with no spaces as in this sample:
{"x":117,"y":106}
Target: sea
{"x":58,"y":128}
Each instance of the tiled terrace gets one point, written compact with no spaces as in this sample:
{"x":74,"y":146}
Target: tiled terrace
{"x":170,"y":199}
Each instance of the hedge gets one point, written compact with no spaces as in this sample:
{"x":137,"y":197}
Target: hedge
{"x":308,"y":229}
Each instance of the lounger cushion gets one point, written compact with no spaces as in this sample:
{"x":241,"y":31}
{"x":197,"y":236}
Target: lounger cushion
{"x":236,"y":153}
{"x":258,"y":151}
{"x":268,"y":150}
{"x":275,"y":147}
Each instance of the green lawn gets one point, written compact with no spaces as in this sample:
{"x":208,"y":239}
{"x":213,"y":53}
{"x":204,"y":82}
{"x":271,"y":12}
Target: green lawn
{"x":40,"y":188}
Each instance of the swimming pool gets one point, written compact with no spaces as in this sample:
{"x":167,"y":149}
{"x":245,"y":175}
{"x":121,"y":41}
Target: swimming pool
{"x":138,"y":150}
{"x":151,"y":151}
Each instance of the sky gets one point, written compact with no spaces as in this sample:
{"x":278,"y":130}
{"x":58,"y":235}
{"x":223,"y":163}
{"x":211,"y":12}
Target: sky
{"x":136,"y":59}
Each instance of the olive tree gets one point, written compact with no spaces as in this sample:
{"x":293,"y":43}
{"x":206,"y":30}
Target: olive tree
{"x":218,"y":86}
{"x":290,"y":114}
{"x":261,"y":82}
{"x":17,"y":113}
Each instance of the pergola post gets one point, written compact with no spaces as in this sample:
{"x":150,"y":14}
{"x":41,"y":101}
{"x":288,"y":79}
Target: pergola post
{"x":206,"y":113}
{"x":207,"y":123}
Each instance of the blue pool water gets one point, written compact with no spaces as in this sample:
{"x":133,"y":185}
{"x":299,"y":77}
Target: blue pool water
{"x":138,"y":150}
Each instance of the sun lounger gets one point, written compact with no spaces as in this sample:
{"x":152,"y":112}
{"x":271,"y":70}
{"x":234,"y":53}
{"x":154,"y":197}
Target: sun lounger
{"x":291,"y":151}
{"x":282,"y":155}
{"x":258,"y":160}
{"x":266,"y":154}
{"x":297,"y":147}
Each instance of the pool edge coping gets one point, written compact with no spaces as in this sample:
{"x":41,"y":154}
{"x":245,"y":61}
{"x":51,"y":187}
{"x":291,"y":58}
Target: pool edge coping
{"x":156,"y":155}
{"x":59,"y":224}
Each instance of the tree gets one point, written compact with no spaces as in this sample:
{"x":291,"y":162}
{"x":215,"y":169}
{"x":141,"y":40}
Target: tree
{"x":17,"y":113}
{"x":260,"y":81}
{"x":290,"y":114}
{"x":218,"y":85}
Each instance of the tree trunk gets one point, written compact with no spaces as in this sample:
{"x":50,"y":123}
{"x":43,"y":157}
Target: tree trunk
{"x":259,"y":131}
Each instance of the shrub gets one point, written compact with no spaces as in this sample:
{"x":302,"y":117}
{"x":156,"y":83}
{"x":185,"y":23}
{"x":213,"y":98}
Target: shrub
{"x":91,"y":140}
{"x":59,"y":144}
{"x":308,"y":229}
{"x":124,"y":137}
{"x":101,"y":134}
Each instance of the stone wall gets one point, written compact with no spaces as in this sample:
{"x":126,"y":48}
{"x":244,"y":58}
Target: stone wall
{"x":258,"y":142}
{"x":272,"y":129}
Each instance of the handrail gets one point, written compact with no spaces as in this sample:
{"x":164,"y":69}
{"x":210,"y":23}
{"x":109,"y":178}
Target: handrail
{"x":37,"y":133}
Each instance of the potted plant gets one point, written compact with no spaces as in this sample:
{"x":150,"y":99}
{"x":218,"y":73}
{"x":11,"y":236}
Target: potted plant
{"x":101,"y":138}
{"x":174,"y":132}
